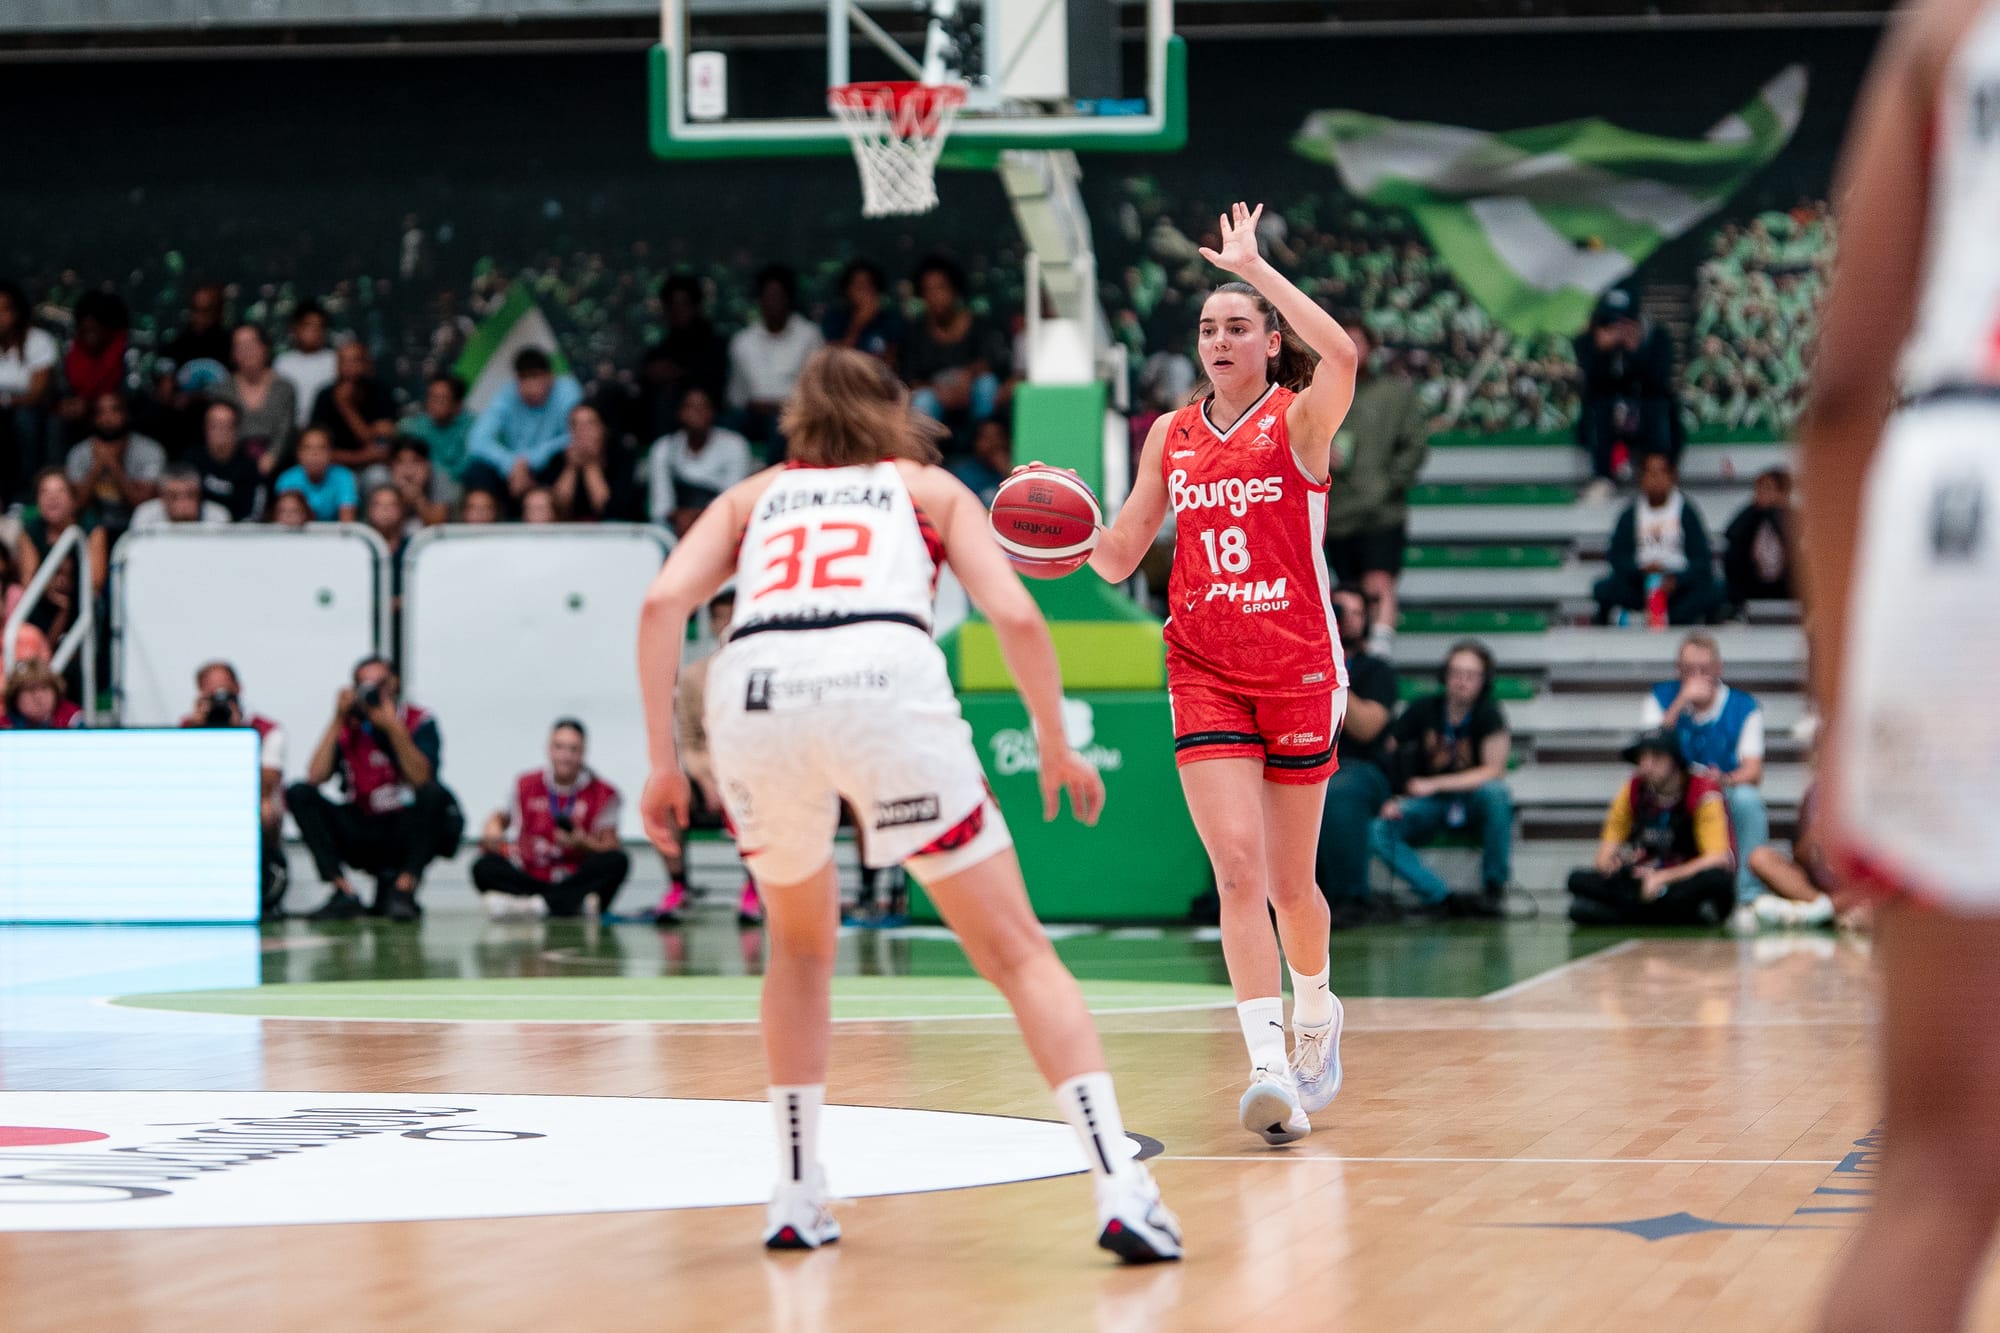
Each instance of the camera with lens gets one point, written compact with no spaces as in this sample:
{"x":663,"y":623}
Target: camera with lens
{"x":366,"y":700}
{"x":564,"y":824}
{"x":219,"y":709}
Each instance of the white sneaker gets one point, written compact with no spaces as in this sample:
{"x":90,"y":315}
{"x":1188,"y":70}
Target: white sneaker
{"x":1772,"y":910}
{"x":1270,"y":1109}
{"x":1316,"y":1061}
{"x":1132,"y":1223}
{"x":499,"y":906}
{"x":1744,"y":920}
{"x":1818,"y":912}
{"x":799,"y":1216}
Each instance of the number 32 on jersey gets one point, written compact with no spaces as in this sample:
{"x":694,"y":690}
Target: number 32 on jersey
{"x":835,"y":549}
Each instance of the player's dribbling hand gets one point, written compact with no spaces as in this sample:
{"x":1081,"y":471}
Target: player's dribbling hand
{"x":663,"y":805}
{"x":1239,"y":239}
{"x":1064,"y":770}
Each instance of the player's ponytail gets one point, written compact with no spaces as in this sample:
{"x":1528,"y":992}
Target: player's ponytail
{"x":848,"y":408}
{"x":1292,"y":368}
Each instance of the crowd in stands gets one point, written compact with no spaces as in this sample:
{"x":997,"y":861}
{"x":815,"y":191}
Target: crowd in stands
{"x":1755,"y":302}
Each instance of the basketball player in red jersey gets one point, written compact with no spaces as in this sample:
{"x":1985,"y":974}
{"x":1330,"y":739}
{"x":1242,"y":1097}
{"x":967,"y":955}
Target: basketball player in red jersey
{"x":829,"y":688}
{"x":1902,"y":552}
{"x":1255,"y":672}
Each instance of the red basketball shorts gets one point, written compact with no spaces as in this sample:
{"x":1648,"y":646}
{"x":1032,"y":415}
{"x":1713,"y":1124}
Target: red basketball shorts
{"x":1296,"y":736}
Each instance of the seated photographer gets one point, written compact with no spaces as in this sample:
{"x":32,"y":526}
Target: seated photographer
{"x":396,"y":818}
{"x":218,"y":702}
{"x":1664,"y":857}
{"x":704,"y":796}
{"x":564,"y":821}
{"x":33,"y":699}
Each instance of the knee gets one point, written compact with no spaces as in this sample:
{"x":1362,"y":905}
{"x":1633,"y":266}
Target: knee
{"x":487,"y":870}
{"x":1494,"y":801}
{"x":1237,"y":872}
{"x":614,"y":863}
{"x":301,"y":794}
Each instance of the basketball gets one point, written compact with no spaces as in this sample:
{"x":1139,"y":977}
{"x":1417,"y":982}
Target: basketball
{"x":1046,"y":520}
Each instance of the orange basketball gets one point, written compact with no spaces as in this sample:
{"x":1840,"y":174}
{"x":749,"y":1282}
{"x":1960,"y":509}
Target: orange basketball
{"x":1046,"y":520}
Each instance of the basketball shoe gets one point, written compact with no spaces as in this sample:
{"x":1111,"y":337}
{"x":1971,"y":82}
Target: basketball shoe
{"x":1271,"y":1109}
{"x":1132,"y":1222}
{"x":1316,"y":1062}
{"x":799,"y":1216}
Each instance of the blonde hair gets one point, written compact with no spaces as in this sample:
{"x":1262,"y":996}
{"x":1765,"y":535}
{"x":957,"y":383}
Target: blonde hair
{"x":848,"y":408}
{"x":25,"y":676}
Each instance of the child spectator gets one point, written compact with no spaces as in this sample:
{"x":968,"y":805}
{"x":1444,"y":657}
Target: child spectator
{"x":329,"y":489}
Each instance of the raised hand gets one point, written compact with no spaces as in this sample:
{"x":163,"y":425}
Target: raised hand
{"x":1239,"y":239}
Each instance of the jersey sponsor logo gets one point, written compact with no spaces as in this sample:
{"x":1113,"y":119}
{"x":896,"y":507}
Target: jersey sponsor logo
{"x":766,"y":689}
{"x":757,"y":692}
{"x":1313,"y":678}
{"x":1301,"y":738}
{"x":1958,"y":517}
{"x":907,"y":810}
{"x":851,"y":495}
{"x":1265,"y":423}
{"x":1255,"y":595}
{"x":1232,"y":493}
{"x":1185,"y":453}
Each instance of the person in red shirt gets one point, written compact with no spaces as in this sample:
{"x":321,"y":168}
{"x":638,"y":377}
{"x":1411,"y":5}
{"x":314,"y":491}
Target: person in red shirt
{"x":33,"y":700}
{"x":1665,"y":856}
{"x":564,"y":825}
{"x":218,"y":702}
{"x":1255,"y":671}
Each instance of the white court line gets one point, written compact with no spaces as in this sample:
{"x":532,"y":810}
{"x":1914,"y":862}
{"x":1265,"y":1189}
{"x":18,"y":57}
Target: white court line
{"x":1506,"y":992}
{"x":1529,"y":1161}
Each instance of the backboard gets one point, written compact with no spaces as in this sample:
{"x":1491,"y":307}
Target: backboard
{"x":748,"y":78}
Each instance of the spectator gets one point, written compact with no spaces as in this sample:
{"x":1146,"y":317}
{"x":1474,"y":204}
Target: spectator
{"x":191,"y":366}
{"x":991,"y":460}
{"x":12,"y":586}
{"x":444,"y":425}
{"x":1721,"y":736}
{"x":687,"y":470}
{"x":518,"y":441}
{"x":479,"y":506}
{"x":861,"y":320}
{"x":422,"y":489}
{"x":765,"y":356}
{"x":565,"y":851}
{"x":308,"y":364}
{"x":952,"y":358}
{"x":329,"y":489}
{"x":33,"y":700}
{"x":218,"y":702}
{"x":597,"y":480}
{"x":396,"y":816}
{"x":28,"y":357}
{"x":116,"y":469}
{"x":539,"y":506}
{"x":1626,"y":366}
{"x":692,"y":355}
{"x":58,"y":506}
{"x":1801,"y":882}
{"x":180,"y":501}
{"x":1757,"y":544}
{"x":1449,"y":752}
{"x":1663,"y":857}
{"x":358,"y":413}
{"x":94,"y":365}
{"x":267,"y":407}
{"x":202,"y":337}
{"x":704,"y":795}
{"x":290,"y":510}
{"x":1660,"y":536}
{"x":229,"y":476}
{"x":1359,"y":787}
{"x":389,"y":519}
{"x":1378,"y":453}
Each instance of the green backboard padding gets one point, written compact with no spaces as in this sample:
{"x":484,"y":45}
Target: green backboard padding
{"x":1063,"y":425}
{"x":1483,"y":557}
{"x":1095,"y":655}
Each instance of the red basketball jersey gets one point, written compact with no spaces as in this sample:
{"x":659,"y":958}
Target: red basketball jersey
{"x":1250,"y":598}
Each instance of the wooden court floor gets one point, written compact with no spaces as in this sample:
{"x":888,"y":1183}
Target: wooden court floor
{"x":1660,"y":1133}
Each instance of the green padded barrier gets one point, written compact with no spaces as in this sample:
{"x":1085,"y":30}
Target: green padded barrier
{"x":1492,"y":493}
{"x":1415,"y":683}
{"x":1428,"y":620}
{"x":1095,"y":655}
{"x":1063,"y":425}
{"x":1483,"y":557}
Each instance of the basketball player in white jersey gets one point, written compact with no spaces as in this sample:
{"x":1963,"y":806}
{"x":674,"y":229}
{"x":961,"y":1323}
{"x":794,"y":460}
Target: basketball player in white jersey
{"x":1906,"y":640}
{"x":831,"y":687}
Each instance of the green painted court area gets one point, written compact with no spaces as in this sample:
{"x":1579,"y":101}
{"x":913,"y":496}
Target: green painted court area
{"x":706,"y":972}
{"x":645,"y":999}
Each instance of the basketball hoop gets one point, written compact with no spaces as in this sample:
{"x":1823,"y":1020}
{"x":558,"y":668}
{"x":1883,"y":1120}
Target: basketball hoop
{"x":897,"y":130}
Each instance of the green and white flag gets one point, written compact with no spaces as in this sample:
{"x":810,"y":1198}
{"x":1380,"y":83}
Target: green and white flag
{"x":488,"y":360}
{"x":1536,"y":223}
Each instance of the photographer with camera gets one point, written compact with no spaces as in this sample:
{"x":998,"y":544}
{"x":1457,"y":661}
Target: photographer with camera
{"x":218,"y":702}
{"x":396,"y":818}
{"x":565,"y":824}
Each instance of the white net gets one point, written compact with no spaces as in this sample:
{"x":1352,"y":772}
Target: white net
{"x":897,"y":130}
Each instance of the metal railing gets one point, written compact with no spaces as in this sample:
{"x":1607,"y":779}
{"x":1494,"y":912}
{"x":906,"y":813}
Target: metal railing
{"x":81,"y":636}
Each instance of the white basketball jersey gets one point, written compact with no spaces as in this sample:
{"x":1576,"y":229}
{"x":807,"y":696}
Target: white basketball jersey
{"x":1957,"y":336}
{"x":831,"y":546}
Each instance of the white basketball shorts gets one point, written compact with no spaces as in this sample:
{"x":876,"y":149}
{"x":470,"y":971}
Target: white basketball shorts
{"x":798,"y":720}
{"x":1916,"y":763}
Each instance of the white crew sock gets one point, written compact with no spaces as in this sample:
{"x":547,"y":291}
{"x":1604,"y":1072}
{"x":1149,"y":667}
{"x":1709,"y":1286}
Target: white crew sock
{"x":1091,"y":1107}
{"x":1263,"y":1021}
{"x":795,"y":1112}
{"x":1312,"y":998}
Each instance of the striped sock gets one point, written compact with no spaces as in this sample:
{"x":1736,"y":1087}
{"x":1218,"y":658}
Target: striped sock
{"x":795,"y":1111}
{"x":1091,"y":1107}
